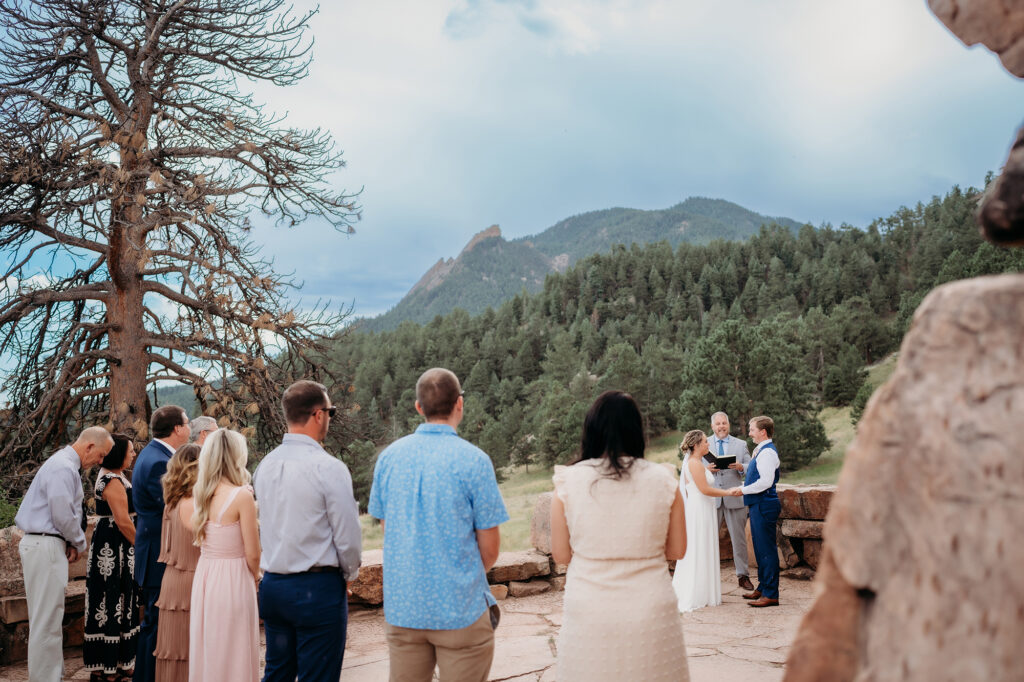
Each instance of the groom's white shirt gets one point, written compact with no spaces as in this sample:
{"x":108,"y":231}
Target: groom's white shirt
{"x":766,"y":464}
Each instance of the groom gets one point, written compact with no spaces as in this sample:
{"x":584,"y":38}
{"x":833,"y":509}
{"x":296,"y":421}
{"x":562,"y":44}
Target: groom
{"x":760,"y":497}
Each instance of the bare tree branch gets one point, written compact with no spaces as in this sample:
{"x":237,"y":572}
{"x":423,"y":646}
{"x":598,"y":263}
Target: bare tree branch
{"x":130,"y":164}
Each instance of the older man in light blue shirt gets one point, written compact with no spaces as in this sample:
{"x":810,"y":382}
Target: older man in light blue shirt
{"x":312,"y":545}
{"x":440,"y":507}
{"x":50,"y":515}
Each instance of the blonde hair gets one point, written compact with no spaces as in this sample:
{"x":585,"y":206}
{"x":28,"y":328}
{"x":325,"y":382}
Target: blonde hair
{"x":181,"y":474}
{"x":690,"y":441}
{"x":223,"y":457}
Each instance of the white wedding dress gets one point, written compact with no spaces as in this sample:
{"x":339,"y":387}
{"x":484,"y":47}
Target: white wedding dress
{"x":697,"y":580}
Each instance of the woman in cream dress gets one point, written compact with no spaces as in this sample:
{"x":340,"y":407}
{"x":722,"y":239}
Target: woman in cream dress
{"x":697,"y":580}
{"x":615,"y":519}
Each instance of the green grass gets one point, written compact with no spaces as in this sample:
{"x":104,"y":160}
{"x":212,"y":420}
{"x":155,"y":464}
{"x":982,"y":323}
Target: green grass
{"x":520,"y":488}
{"x":836,"y":420}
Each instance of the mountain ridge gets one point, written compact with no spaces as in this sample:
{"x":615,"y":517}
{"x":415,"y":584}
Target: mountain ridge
{"x":490,"y":269}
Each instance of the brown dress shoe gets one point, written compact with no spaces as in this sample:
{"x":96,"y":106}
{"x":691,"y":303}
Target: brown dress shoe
{"x":745,"y":583}
{"x":764,"y":601}
{"x":752,"y":595}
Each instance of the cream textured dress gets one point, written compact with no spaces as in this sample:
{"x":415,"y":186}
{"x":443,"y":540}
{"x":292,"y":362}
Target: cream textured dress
{"x":620,"y":620}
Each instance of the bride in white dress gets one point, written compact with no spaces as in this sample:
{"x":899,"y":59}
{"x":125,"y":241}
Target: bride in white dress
{"x":697,"y":580}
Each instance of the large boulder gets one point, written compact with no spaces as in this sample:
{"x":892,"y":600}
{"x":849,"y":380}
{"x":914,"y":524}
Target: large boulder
{"x":920,"y":578}
{"x":996,"y":24}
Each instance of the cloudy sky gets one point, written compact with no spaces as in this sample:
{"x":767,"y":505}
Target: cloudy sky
{"x":458,"y":114}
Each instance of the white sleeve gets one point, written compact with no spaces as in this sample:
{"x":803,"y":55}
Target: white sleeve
{"x":767,"y":462}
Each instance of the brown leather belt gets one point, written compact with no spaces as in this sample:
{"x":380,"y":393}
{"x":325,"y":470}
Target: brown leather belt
{"x":49,"y":535}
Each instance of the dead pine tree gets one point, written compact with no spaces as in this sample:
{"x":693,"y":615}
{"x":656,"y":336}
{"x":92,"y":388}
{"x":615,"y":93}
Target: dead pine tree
{"x":131,"y":159}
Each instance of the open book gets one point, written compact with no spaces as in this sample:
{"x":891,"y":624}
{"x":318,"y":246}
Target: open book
{"x":720,"y":462}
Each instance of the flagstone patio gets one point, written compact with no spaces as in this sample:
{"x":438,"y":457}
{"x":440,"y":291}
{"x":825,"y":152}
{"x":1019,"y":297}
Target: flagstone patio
{"x":729,"y":642}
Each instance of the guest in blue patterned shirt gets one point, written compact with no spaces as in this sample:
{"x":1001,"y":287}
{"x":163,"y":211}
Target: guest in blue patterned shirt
{"x":439,"y":505}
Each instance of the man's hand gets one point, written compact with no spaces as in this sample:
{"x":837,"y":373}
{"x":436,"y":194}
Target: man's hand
{"x":734,"y":492}
{"x":737,"y":466}
{"x":71,"y":553}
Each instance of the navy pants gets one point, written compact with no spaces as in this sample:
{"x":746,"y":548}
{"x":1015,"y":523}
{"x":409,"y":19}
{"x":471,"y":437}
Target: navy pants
{"x":763,"y":517}
{"x":304,"y":618}
{"x":145,"y":657}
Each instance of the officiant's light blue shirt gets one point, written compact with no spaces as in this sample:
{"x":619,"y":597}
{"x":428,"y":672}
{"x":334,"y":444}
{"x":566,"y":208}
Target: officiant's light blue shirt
{"x":434,"y":490}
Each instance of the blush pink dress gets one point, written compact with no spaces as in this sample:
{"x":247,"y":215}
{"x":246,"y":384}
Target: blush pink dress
{"x":224,"y":637}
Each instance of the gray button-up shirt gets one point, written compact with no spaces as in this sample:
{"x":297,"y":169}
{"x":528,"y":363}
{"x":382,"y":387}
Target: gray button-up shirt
{"x":308,"y":514}
{"x":53,"y":503}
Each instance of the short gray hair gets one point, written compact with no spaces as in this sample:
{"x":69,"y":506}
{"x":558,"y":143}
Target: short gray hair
{"x":200,"y":424}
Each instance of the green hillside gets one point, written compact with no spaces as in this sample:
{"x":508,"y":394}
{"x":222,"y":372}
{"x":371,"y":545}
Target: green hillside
{"x":491,"y":270}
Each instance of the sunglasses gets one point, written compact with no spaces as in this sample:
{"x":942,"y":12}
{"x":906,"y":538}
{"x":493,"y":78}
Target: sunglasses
{"x":331,"y":411}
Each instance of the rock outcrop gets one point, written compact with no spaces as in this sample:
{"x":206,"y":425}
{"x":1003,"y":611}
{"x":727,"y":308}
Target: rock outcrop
{"x":920,"y":578}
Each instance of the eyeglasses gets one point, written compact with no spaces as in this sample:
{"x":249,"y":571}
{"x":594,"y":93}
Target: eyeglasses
{"x":331,"y":411}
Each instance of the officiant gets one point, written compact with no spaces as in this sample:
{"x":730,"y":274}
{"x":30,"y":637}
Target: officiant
{"x":731,"y":510}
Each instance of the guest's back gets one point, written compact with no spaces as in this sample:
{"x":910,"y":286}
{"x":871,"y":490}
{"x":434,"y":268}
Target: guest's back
{"x":611,"y":518}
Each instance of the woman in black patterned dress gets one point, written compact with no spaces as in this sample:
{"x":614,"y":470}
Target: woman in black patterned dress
{"x":111,"y":596}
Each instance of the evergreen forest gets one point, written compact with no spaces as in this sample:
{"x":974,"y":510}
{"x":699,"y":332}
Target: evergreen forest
{"x":781,"y":324}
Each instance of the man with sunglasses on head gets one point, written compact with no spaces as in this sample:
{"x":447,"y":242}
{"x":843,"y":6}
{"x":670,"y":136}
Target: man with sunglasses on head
{"x":312,"y":545}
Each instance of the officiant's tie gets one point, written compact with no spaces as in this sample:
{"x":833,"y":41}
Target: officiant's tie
{"x":721,"y":452}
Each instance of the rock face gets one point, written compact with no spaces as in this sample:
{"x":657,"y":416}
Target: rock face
{"x":920,"y":578}
{"x":996,"y":24}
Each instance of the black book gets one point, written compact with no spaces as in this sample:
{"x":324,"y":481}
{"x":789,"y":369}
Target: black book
{"x":720,"y":462}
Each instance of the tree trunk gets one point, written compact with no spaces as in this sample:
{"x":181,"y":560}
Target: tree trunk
{"x":129,"y":403}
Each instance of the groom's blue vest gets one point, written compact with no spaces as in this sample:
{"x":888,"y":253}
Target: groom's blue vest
{"x":753,"y":475}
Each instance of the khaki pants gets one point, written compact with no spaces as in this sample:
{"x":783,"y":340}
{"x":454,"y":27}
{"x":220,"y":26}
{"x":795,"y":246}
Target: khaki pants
{"x":462,"y":655}
{"x":45,"y":568}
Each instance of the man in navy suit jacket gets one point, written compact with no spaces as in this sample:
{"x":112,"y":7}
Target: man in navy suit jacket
{"x":169,"y":427}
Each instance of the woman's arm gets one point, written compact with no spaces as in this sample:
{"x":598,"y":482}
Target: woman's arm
{"x":675,"y":544}
{"x":697,"y":474}
{"x":250,"y":531}
{"x":561,"y":551}
{"x":117,"y":498}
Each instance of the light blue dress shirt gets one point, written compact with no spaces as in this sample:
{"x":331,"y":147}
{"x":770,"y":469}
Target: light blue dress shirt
{"x":434,"y":490}
{"x":308,"y":514}
{"x":53,"y":503}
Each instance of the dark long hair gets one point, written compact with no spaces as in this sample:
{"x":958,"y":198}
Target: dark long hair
{"x":118,"y":453}
{"x":613,"y":428}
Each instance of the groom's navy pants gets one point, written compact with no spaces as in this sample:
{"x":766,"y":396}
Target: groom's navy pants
{"x":763,"y":517}
{"x":305,"y":616}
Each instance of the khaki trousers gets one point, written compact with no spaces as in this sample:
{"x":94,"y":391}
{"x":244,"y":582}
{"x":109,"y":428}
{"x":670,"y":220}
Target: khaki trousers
{"x":45,"y":568}
{"x":462,"y":655}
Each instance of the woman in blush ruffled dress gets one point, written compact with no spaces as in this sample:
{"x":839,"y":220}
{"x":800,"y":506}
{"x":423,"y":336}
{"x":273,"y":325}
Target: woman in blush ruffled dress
{"x":180,"y":554}
{"x":615,"y":519}
{"x":224,"y":625}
